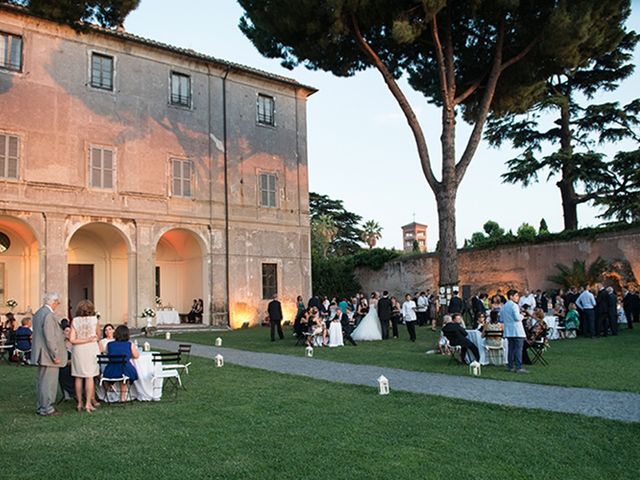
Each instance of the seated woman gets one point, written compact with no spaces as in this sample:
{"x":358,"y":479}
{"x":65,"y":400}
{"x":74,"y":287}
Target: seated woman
{"x":107,"y":337}
{"x":122,"y":346}
{"x":318,"y":328}
{"x":492,"y":334}
{"x":571,"y":321}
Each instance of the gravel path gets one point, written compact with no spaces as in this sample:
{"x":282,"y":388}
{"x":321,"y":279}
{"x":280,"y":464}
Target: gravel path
{"x":611,"y":405}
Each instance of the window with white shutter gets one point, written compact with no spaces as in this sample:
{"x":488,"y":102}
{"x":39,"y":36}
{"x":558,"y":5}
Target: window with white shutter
{"x":9,"y":155}
{"x":102,"y":71}
{"x":181,"y":178}
{"x":268,"y":190}
{"x":10,"y":52}
{"x":101,"y":167}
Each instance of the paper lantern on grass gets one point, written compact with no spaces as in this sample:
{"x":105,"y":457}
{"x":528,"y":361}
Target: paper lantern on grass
{"x":219,"y":359}
{"x":475,"y":368}
{"x":383,"y":385}
{"x":308,"y":351}
{"x":218,"y":342}
{"x":167,"y":335}
{"x":146,"y":346}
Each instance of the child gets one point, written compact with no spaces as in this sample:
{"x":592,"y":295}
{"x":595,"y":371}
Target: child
{"x":571,"y":321}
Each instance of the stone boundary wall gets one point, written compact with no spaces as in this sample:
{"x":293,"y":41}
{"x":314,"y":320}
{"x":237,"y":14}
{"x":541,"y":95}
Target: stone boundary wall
{"x":519,"y":266}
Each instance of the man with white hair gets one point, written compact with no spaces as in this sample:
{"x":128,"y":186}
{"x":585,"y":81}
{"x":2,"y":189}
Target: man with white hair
{"x":49,"y":353}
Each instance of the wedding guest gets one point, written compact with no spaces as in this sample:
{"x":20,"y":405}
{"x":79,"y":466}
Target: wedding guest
{"x":67,"y":383}
{"x":23,"y":339}
{"x":122,"y":346}
{"x":362,"y":310}
{"x":492,"y":332}
{"x":409,"y":316}
{"x":456,"y":305}
{"x":396,"y":315}
{"x":513,"y":332}
{"x":301,"y":310}
{"x":457,"y":335}
{"x":587,"y":303}
{"x":348,"y":325}
{"x":49,"y":353}
{"x":107,"y":337}
{"x":274,"y":310}
{"x":9,"y":332}
{"x":572,"y":321}
{"x":422,"y":305}
{"x":191,"y":316}
{"x":85,"y":331}
{"x":612,"y":314}
{"x":384,"y":314}
{"x":627,"y":302}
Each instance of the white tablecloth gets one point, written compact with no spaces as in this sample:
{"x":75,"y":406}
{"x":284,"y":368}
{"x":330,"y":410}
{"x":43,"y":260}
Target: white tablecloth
{"x":335,"y":334}
{"x":476,"y":338}
{"x":622,"y":318}
{"x":552,"y":323}
{"x":167,"y":317}
{"x":142,"y":389}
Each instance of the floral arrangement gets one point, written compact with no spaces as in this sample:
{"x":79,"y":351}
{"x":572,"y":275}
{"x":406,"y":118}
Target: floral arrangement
{"x":158,"y":302}
{"x":148,"y":312}
{"x":11,"y":303}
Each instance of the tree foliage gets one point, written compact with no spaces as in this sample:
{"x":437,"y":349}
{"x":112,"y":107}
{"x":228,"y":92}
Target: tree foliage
{"x":347,"y":235}
{"x":106,"y":13}
{"x":371,"y":233}
{"x":574,"y":160}
{"x":469,"y":58}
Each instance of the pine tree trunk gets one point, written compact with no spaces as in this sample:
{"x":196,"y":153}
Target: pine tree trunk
{"x":448,"y":252}
{"x":566,"y":185}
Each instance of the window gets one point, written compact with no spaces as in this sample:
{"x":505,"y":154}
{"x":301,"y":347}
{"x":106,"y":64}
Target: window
{"x":10,"y":52}
{"x":158,"y":282}
{"x":181,"y":178}
{"x":266,"y":110}
{"x":268,"y":190}
{"x":102,"y":71}
{"x":9,"y":154}
{"x":101,"y":166}
{"x":269,"y":280}
{"x":180,"y":89}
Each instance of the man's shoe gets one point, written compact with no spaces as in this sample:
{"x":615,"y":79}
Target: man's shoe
{"x":522,"y":370}
{"x":52,"y":413}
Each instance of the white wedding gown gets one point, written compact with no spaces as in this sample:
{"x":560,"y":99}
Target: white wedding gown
{"x":369,"y":327}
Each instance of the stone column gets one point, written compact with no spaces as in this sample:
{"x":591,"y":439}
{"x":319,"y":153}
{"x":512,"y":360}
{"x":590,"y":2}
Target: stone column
{"x":145,"y":271}
{"x":56,"y":269}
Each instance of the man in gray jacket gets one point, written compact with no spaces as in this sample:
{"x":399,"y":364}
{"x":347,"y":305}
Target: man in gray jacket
{"x":48,"y":352}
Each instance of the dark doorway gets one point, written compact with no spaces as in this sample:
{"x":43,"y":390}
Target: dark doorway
{"x":80,"y":285}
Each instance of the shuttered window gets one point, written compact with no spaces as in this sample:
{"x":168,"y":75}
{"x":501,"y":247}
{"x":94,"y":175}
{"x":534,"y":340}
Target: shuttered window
{"x":10,"y":52}
{"x":101,"y":166}
{"x":269,"y":280}
{"x":266,"y":110}
{"x":268,"y":190}
{"x":180,"y":89}
{"x":102,"y":71}
{"x":9,"y":155}
{"x":181,"y":175}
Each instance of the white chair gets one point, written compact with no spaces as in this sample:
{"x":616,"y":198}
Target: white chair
{"x":166,"y":368}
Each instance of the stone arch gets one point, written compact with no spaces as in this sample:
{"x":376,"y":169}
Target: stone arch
{"x":98,"y":269}
{"x":181,"y":271}
{"x":20,"y":265}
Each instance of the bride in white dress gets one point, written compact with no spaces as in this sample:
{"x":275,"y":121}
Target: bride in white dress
{"x":369,"y":327}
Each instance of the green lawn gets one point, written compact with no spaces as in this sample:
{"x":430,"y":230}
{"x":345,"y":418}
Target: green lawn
{"x":235,"y":422}
{"x":610,"y":363}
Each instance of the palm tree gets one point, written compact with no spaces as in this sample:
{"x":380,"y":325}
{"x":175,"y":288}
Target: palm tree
{"x":371,"y":233}
{"x":326,"y":228}
{"x":579,"y":274}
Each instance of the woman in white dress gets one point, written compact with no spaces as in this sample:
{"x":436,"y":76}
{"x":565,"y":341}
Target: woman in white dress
{"x":84,"y":336}
{"x":369,"y":327}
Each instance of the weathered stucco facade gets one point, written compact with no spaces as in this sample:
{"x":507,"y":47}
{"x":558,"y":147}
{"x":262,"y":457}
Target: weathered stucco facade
{"x":518,"y":266}
{"x":207,"y":233}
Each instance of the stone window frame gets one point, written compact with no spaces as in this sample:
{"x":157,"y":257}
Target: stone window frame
{"x":269,"y":290}
{"x":263,"y":118}
{"x":183,"y":161}
{"x":5,"y":149}
{"x":114,"y":169}
{"x":189,"y":103}
{"x":268,"y":173}
{"x":114,"y":71}
{"x":6,"y":66}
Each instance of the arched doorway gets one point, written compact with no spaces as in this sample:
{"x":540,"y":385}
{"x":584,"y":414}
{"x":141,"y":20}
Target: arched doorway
{"x":98,"y":270}
{"x":180,"y":270}
{"x":19,"y":265}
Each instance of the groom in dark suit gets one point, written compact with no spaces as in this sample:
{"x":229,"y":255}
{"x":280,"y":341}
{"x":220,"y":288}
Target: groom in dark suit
{"x":384,"y":313}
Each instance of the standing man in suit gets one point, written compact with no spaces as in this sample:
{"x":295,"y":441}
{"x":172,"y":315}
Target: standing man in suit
{"x":635,"y":306}
{"x":602,"y":311}
{"x":48,"y":353}
{"x":612,"y":314}
{"x":384,"y":313}
{"x":627,"y":302}
{"x":274,"y":310}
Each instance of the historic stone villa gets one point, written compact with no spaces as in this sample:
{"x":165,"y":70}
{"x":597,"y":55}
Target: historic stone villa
{"x":130,"y":169}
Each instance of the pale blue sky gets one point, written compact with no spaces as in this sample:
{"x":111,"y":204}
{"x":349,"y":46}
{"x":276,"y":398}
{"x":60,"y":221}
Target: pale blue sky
{"x":360,"y":148}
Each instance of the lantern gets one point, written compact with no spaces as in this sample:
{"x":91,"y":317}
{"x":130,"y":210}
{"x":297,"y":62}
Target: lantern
{"x":309,"y":351}
{"x":475,"y":368}
{"x":218,"y":342}
{"x":219,"y":359}
{"x":383,"y":385}
{"x":167,"y":335}
{"x":146,"y":346}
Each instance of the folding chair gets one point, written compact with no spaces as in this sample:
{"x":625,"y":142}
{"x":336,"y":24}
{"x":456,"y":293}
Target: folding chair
{"x":494,"y":353}
{"x":165,"y":370}
{"x":117,"y":376}
{"x":23,"y":354}
{"x":184,"y":350}
{"x":537,"y":348}
{"x":5,"y":351}
{"x":454,"y":350}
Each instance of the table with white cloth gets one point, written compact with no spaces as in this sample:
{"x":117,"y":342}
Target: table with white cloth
{"x":143,"y":388}
{"x":167,"y":317}
{"x":335,"y":334}
{"x":552,"y":323}
{"x":622,"y":318}
{"x":475,"y":336}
